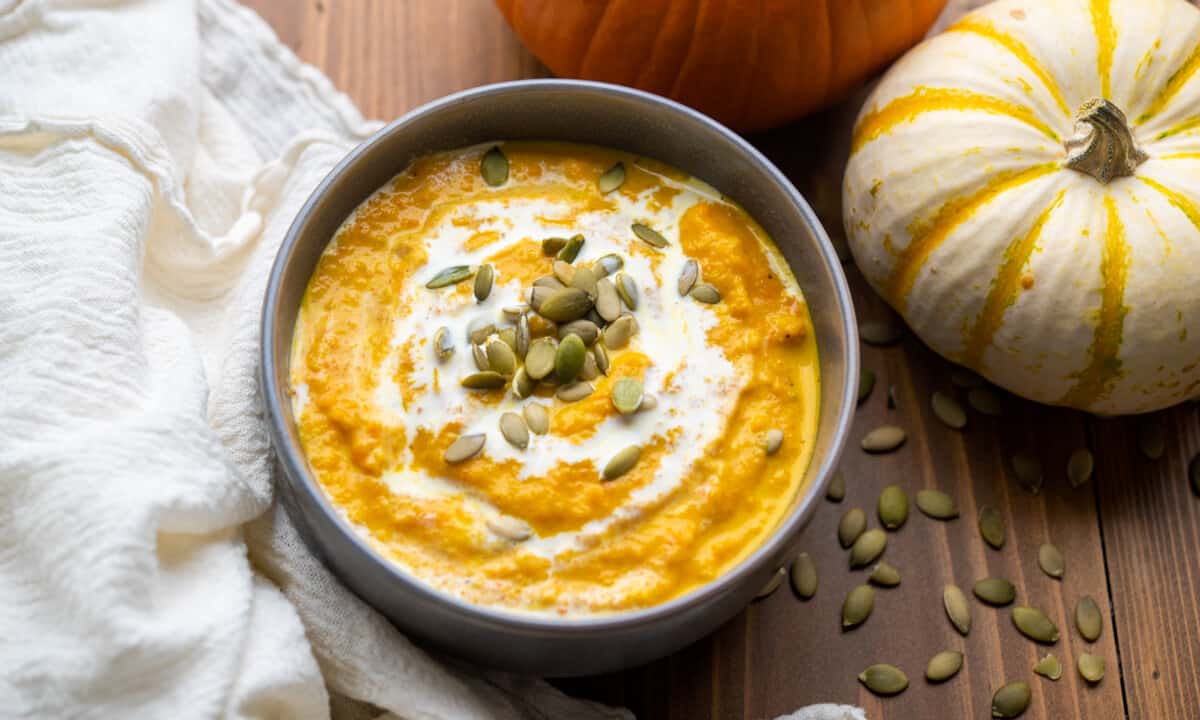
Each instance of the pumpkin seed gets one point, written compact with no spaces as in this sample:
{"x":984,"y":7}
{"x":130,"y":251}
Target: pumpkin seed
{"x":943,"y":666}
{"x":867,"y":548}
{"x":1028,"y":470}
{"x":601,"y":355}
{"x":1194,"y":474}
{"x":549,"y":281}
{"x":541,"y":327}
{"x":804,"y":576}
{"x":892,"y":507}
{"x":523,"y":385}
{"x":649,"y":402}
{"x":885,"y":575}
{"x":612,"y":178}
{"x":985,"y":401}
{"x":570,"y":251}
{"x":1011,"y":700}
{"x":508,"y":336}
{"x":1050,"y":559}
{"x":1087,"y":618}
{"x":1080,"y":466}
{"x":957,"y":608}
{"x":510,"y":528}
{"x":589,"y":371}
{"x":622,"y":462}
{"x":705,"y":293}
{"x":608,"y":302}
{"x":513,"y":428}
{"x":521,"y":337}
{"x":772,"y":584}
{"x":449,"y":276}
{"x":937,"y":504}
{"x":852,"y":524}
{"x":539,"y":361}
{"x":773,"y":441}
{"x":995,"y":591}
{"x":538,"y":295}
{"x":585,"y":329}
{"x":883,"y":439}
{"x":883,"y":679}
{"x":568,"y":360}
{"x":1152,"y":439}
{"x":464,"y":448}
{"x":480,"y":357}
{"x":479,"y":330}
{"x":618,"y":334}
{"x":857,"y":606}
{"x":565,"y":305}
{"x":551,"y":245}
{"x":836,"y":492}
{"x":574,"y":391}
{"x":627,"y":395}
{"x":1091,"y":667}
{"x":607,"y":265}
{"x":1049,"y":667}
{"x":1034,"y":625}
{"x":688,"y":276}
{"x":494,"y":167}
{"x":443,"y":344}
{"x":881,"y":332}
{"x":949,"y":411}
{"x":627,"y":290}
{"x":537,"y":418}
{"x":501,"y":357}
{"x":964,"y":379}
{"x":866,"y":383}
{"x":991,"y":526}
{"x":564,"y":272}
{"x":483,"y":282}
{"x":484,"y":380}
{"x":594,"y":317}
{"x":649,"y":236}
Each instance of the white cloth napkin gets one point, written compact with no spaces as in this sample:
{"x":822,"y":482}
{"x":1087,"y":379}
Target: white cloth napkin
{"x":152,"y":155}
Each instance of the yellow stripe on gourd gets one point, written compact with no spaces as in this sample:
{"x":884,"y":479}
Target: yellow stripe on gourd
{"x":1106,"y":42}
{"x":1005,"y":288}
{"x":985,"y":29}
{"x":1095,"y":381}
{"x":1175,"y":83}
{"x":927,"y":237}
{"x":925,"y":99}
{"x":1176,"y":198}
{"x":1183,"y":127}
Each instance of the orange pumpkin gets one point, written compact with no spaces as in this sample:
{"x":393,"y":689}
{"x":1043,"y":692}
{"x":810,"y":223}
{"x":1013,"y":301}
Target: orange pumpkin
{"x":751,"y":64}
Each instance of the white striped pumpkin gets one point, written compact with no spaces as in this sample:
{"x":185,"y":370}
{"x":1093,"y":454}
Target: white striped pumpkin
{"x":999,"y":200}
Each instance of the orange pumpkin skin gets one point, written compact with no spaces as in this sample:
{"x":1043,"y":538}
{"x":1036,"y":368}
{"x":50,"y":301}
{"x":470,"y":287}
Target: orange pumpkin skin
{"x":751,"y":64}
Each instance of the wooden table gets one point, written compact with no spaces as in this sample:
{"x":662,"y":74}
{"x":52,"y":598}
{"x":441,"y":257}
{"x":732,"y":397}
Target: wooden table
{"x":1131,"y":537}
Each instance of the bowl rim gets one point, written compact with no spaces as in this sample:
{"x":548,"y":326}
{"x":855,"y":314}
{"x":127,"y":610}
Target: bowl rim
{"x":294,"y":465}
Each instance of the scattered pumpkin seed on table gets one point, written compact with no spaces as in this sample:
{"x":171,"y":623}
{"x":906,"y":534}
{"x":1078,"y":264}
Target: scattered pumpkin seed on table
{"x":627,"y":395}
{"x":494,"y":167}
{"x":514,"y":430}
{"x":885,"y":575}
{"x":892,"y":507}
{"x":1034,"y":625}
{"x":587,"y":331}
{"x":772,"y":584}
{"x":836,"y":491}
{"x":565,"y":305}
{"x":688,"y":276}
{"x":772,"y":441}
{"x":537,"y":418}
{"x":627,"y":290}
{"x":479,"y":356}
{"x":464,"y":448}
{"x":852,"y":524}
{"x":608,"y":302}
{"x":705,"y":293}
{"x":1088,"y":620}
{"x":884,"y":679}
{"x":1080,"y":466}
{"x":867,"y":548}
{"x":443,"y":343}
{"x":985,"y":401}
{"x":568,"y":359}
{"x":857,"y":606}
{"x":585,"y":279}
{"x":574,"y":391}
{"x":479,"y":330}
{"x":551,"y":245}
{"x":602,"y":362}
{"x":995,"y":591}
{"x":501,"y":357}
{"x":612,"y":178}
{"x":957,"y":608}
{"x":1049,"y":667}
{"x":883,"y":439}
{"x":622,"y":462}
{"x":570,"y":250}
{"x":449,"y":276}
{"x":866,"y":383}
{"x":1011,"y":700}
{"x":1028,"y":470}
{"x":804,"y":576}
{"x":1050,"y":560}
{"x":649,"y":402}
{"x":523,"y":385}
{"x":484,"y":278}
{"x":949,"y":411}
{"x":1091,"y":667}
{"x":508,"y":336}
{"x":943,"y":666}
{"x":620,"y":332}
{"x":484,"y":380}
{"x":539,"y":361}
{"x":649,"y":235}
{"x":937,"y":504}
{"x":1152,"y":439}
{"x":991,"y":526}
{"x":608,"y":264}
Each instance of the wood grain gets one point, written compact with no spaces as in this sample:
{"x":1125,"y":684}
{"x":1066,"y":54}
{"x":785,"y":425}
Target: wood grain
{"x":1131,"y":537}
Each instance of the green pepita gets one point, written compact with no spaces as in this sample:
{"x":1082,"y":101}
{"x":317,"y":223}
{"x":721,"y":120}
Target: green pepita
{"x":893,"y":507}
{"x":985,"y":401}
{"x":449,"y":276}
{"x":995,"y":591}
{"x":857,"y":606}
{"x":1028,"y":470}
{"x":464,"y":448}
{"x":883,"y":679}
{"x":649,"y":402}
{"x":772,"y":441}
{"x":571,"y":249}
{"x":627,"y":290}
{"x":957,"y":608}
{"x":1088,"y":620}
{"x":564,"y":272}
{"x":564,"y":305}
{"x":568,"y":360}
{"x":479,"y":330}
{"x":612,"y":178}
{"x":1152,"y":439}
{"x":867,"y":548}
{"x":1049,"y":667}
{"x":443,"y":343}
{"x":881,"y":332}
{"x":866,"y":383}
{"x":937,"y":504}
{"x":484,"y":279}
{"x":949,"y":411}
{"x":688,"y":276}
{"x":510,"y":528}
{"x":590,"y":371}
{"x":479,"y":355}
{"x":1091,"y":667}
{"x":523,"y":385}
{"x":501,"y":357}
{"x":991,"y":526}
{"x":585,"y":329}
{"x":539,"y":293}
{"x":622,"y":462}
{"x":494,"y":167}
{"x":574,"y":391}
{"x":608,"y":302}
{"x":537,"y":418}
{"x":1050,"y":560}
{"x":705,"y":293}
{"x":836,"y":491}
{"x":539,"y":361}
{"x":522,"y":336}
{"x":484,"y":380}
{"x":627,"y":395}
{"x":885,"y":575}
{"x":772,"y":584}
{"x":1080,"y":466}
{"x":608,"y":264}
{"x":852,"y":524}
{"x":514,"y":430}
{"x":618,"y":334}
{"x":551,"y":245}
{"x":884,"y":438}
{"x":584,"y":279}
{"x":508,"y":336}
{"x":1011,"y":700}
{"x":804,"y":576}
{"x":943,"y":666}
{"x":1034,"y":625}
{"x":649,"y":236}
{"x":601,"y":354}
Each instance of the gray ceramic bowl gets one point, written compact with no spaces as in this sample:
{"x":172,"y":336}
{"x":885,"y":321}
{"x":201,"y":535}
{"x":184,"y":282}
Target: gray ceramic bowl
{"x":603,"y":115}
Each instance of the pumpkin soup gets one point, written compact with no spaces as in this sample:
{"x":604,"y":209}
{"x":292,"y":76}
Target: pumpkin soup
{"x":555,"y":378}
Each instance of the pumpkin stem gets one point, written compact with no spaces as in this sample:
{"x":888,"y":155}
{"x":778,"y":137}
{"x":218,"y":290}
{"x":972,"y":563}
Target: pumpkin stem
{"x":1103,"y":145}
